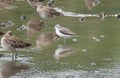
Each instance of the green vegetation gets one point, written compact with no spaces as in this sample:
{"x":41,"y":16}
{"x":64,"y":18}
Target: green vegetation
{"x":107,"y":47}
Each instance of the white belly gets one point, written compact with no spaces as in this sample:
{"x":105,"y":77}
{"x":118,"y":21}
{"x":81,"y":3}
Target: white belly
{"x":4,"y":45}
{"x":62,"y":35}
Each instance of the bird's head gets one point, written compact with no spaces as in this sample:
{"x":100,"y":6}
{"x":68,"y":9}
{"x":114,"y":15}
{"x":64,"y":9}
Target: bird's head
{"x":38,"y":4}
{"x":57,"y":26}
{"x":59,"y":46}
{"x":8,"y":33}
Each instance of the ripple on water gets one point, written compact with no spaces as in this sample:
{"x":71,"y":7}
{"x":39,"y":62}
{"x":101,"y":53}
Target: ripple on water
{"x":101,"y":73}
{"x":71,"y":14}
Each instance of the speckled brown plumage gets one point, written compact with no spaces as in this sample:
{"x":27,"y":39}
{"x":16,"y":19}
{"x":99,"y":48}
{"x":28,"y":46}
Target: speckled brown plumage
{"x":12,"y":41}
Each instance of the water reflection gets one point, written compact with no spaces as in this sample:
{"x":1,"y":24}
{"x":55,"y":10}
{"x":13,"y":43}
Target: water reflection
{"x":46,"y":39}
{"x":63,"y":51}
{"x":34,"y":25}
{"x":11,"y":68}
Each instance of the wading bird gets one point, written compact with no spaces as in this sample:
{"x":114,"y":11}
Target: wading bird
{"x":91,"y":3}
{"x":47,"y":12}
{"x":11,"y":43}
{"x":33,"y":26}
{"x":64,"y":32}
{"x":51,"y":3}
{"x":46,"y":39}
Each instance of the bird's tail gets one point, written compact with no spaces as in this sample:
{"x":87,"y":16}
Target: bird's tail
{"x":27,"y":44}
{"x":59,"y":14}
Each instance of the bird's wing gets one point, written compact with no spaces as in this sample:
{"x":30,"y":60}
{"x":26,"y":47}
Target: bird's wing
{"x":66,"y":31}
{"x":16,"y":43}
{"x":53,"y":11}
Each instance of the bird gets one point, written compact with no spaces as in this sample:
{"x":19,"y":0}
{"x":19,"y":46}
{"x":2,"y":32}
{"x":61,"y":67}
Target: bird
{"x":22,"y":27}
{"x":64,"y":32}
{"x":102,"y":15}
{"x":4,"y":25}
{"x":63,"y":51}
{"x":91,"y":3}
{"x":118,"y":16}
{"x":33,"y":26}
{"x":11,"y":43}
{"x":51,"y":3}
{"x":47,"y":12}
{"x":46,"y":39}
{"x":33,"y":2}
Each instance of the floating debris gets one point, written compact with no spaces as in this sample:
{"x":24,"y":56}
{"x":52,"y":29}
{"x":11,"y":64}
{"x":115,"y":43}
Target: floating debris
{"x":71,"y":14}
{"x":21,"y":28}
{"x":97,"y":40}
{"x":74,"y":39}
{"x":84,"y":50}
{"x":23,"y":17}
{"x":93,"y":64}
{"x":82,"y":19}
{"x":51,"y":3}
{"x":9,"y":23}
{"x":4,"y":25}
{"x":91,"y":3}
{"x":102,"y":36}
{"x":94,"y":37}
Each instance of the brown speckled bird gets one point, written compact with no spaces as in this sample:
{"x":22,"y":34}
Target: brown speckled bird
{"x":10,"y":43}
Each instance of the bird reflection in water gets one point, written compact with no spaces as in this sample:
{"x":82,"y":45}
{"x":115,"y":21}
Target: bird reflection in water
{"x":46,"y":39}
{"x":11,"y":68}
{"x":34,"y":25}
{"x":63,"y":51}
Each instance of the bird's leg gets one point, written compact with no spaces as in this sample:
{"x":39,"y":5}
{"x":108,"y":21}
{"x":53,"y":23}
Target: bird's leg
{"x":15,"y":54}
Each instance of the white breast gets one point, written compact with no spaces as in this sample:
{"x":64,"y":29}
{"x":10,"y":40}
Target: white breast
{"x":4,"y":44}
{"x":61,"y":34}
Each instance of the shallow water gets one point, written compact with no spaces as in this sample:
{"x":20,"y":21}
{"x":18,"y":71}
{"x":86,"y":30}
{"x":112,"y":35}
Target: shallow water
{"x":97,"y":47}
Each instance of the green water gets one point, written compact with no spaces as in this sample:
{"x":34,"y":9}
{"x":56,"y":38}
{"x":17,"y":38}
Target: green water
{"x":101,"y":58}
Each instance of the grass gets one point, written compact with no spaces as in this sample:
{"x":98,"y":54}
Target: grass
{"x":108,"y":47}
